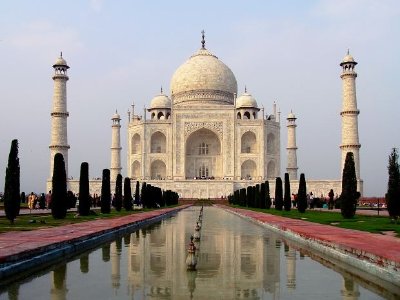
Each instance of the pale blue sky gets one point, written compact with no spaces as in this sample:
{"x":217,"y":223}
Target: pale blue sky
{"x":123,"y":51}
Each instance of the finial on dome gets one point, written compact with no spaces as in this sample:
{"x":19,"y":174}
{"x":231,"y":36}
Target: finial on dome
{"x":245,"y":89}
{"x":348,"y":51}
{"x":61,"y":54}
{"x":203,"y":41}
{"x":161,"y":90}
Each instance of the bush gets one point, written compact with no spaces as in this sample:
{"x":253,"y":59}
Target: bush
{"x":349,"y":188}
{"x":302,"y":194}
{"x":127,"y":194}
{"x":278,"y":194}
{"x":287,"y":202}
{"x":118,"y":193}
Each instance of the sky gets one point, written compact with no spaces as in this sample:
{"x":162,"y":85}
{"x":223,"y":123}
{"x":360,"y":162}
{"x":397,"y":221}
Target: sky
{"x":122,"y":52}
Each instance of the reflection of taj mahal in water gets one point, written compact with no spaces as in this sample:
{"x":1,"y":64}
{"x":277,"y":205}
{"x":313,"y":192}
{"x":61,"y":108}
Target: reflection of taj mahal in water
{"x":231,"y":266}
{"x":205,"y":140}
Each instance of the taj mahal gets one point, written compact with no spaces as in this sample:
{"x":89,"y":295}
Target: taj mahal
{"x":206,"y":140}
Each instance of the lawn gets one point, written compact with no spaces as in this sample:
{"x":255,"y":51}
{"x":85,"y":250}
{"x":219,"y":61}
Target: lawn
{"x":374,"y":224}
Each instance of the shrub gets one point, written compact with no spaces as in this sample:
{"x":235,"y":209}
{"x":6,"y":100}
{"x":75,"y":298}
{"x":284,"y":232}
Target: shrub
{"x":127,"y":194}
{"x":287,"y":202}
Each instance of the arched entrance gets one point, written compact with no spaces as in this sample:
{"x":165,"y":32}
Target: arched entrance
{"x":248,"y":170}
{"x":158,"y":170}
{"x":203,"y":155}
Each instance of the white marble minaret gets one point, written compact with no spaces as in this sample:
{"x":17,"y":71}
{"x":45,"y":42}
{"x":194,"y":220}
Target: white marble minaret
{"x":291,"y":147}
{"x":59,"y":114}
{"x":350,"y":142}
{"x":115,"y":168}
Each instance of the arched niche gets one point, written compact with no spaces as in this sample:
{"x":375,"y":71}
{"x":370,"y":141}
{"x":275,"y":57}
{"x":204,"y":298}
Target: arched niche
{"x":249,"y":142}
{"x":203,"y":155}
{"x":135,"y":170}
{"x":271,"y":143}
{"x":248,"y":170}
{"x":271,"y":171}
{"x":135,"y":146}
{"x":158,"y":143}
{"x":158,"y":170}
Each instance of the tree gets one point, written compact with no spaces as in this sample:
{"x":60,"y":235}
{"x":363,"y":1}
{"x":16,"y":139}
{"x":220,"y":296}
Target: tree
{"x":349,"y":194}
{"x":262,"y":196}
{"x":393,"y":193}
{"x":302,"y":194}
{"x":257,"y":196}
{"x":84,"y":196}
{"x":105,"y":192}
{"x":287,"y":202}
{"x":137,"y":194}
{"x":118,"y":192}
{"x":143,"y":196}
{"x":278,"y":194}
{"x":59,"y":190}
{"x":12,"y":200}
{"x":242,"y":197}
{"x":268,"y":201}
{"x":249,"y":196}
{"x":127,"y":194}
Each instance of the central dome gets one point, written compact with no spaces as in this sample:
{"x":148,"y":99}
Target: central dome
{"x":203,"y":79}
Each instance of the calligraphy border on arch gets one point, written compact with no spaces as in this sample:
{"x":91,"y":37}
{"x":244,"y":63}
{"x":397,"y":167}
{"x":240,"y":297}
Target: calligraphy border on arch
{"x":191,"y":127}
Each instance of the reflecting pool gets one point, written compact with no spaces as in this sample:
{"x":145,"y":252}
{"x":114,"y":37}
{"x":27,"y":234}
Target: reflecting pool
{"x":237,"y":259}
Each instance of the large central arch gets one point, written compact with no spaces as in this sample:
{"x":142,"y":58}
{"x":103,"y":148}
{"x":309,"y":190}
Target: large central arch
{"x":203,"y":157}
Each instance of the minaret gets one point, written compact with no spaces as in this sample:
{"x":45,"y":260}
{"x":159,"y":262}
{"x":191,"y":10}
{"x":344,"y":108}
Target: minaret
{"x":115,"y":168}
{"x":350,"y":142}
{"x":291,"y":147}
{"x":59,"y":114}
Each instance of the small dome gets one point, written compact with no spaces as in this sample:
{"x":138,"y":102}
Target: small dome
{"x":116,"y":116}
{"x":348,"y":58}
{"x":160,"y":101}
{"x":60,"y":62}
{"x":246,"y":100}
{"x":291,"y":116}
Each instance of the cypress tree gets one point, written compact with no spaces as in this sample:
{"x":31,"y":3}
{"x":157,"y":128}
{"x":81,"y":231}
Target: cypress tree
{"x":84,"y":196}
{"x":127,"y":194}
{"x":12,"y":200}
{"x":105,"y":192}
{"x":143,"y":196}
{"x":137,"y":194}
{"x":59,"y":201}
{"x":393,"y":192}
{"x":302,"y":194}
{"x":349,"y":188}
{"x":118,"y":193}
{"x":262,"y":196}
{"x":287,"y":202}
{"x":243,"y":197}
{"x":268,"y":201}
{"x":257,"y":196}
{"x":278,"y":194}
{"x":249,"y":196}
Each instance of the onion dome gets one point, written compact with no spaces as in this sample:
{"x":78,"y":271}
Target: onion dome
{"x":160,"y":101}
{"x":203,"y":78}
{"x":246,"y":100}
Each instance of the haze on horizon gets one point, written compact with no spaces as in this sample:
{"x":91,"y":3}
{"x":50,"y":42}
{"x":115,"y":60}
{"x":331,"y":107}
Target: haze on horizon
{"x":122,"y":53}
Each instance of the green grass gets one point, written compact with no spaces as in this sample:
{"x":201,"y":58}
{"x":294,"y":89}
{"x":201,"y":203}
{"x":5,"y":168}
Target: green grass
{"x":374,"y":224}
{"x":24,"y":222}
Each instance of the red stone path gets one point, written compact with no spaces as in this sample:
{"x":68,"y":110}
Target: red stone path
{"x":17,"y":244}
{"x":380,"y":249}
